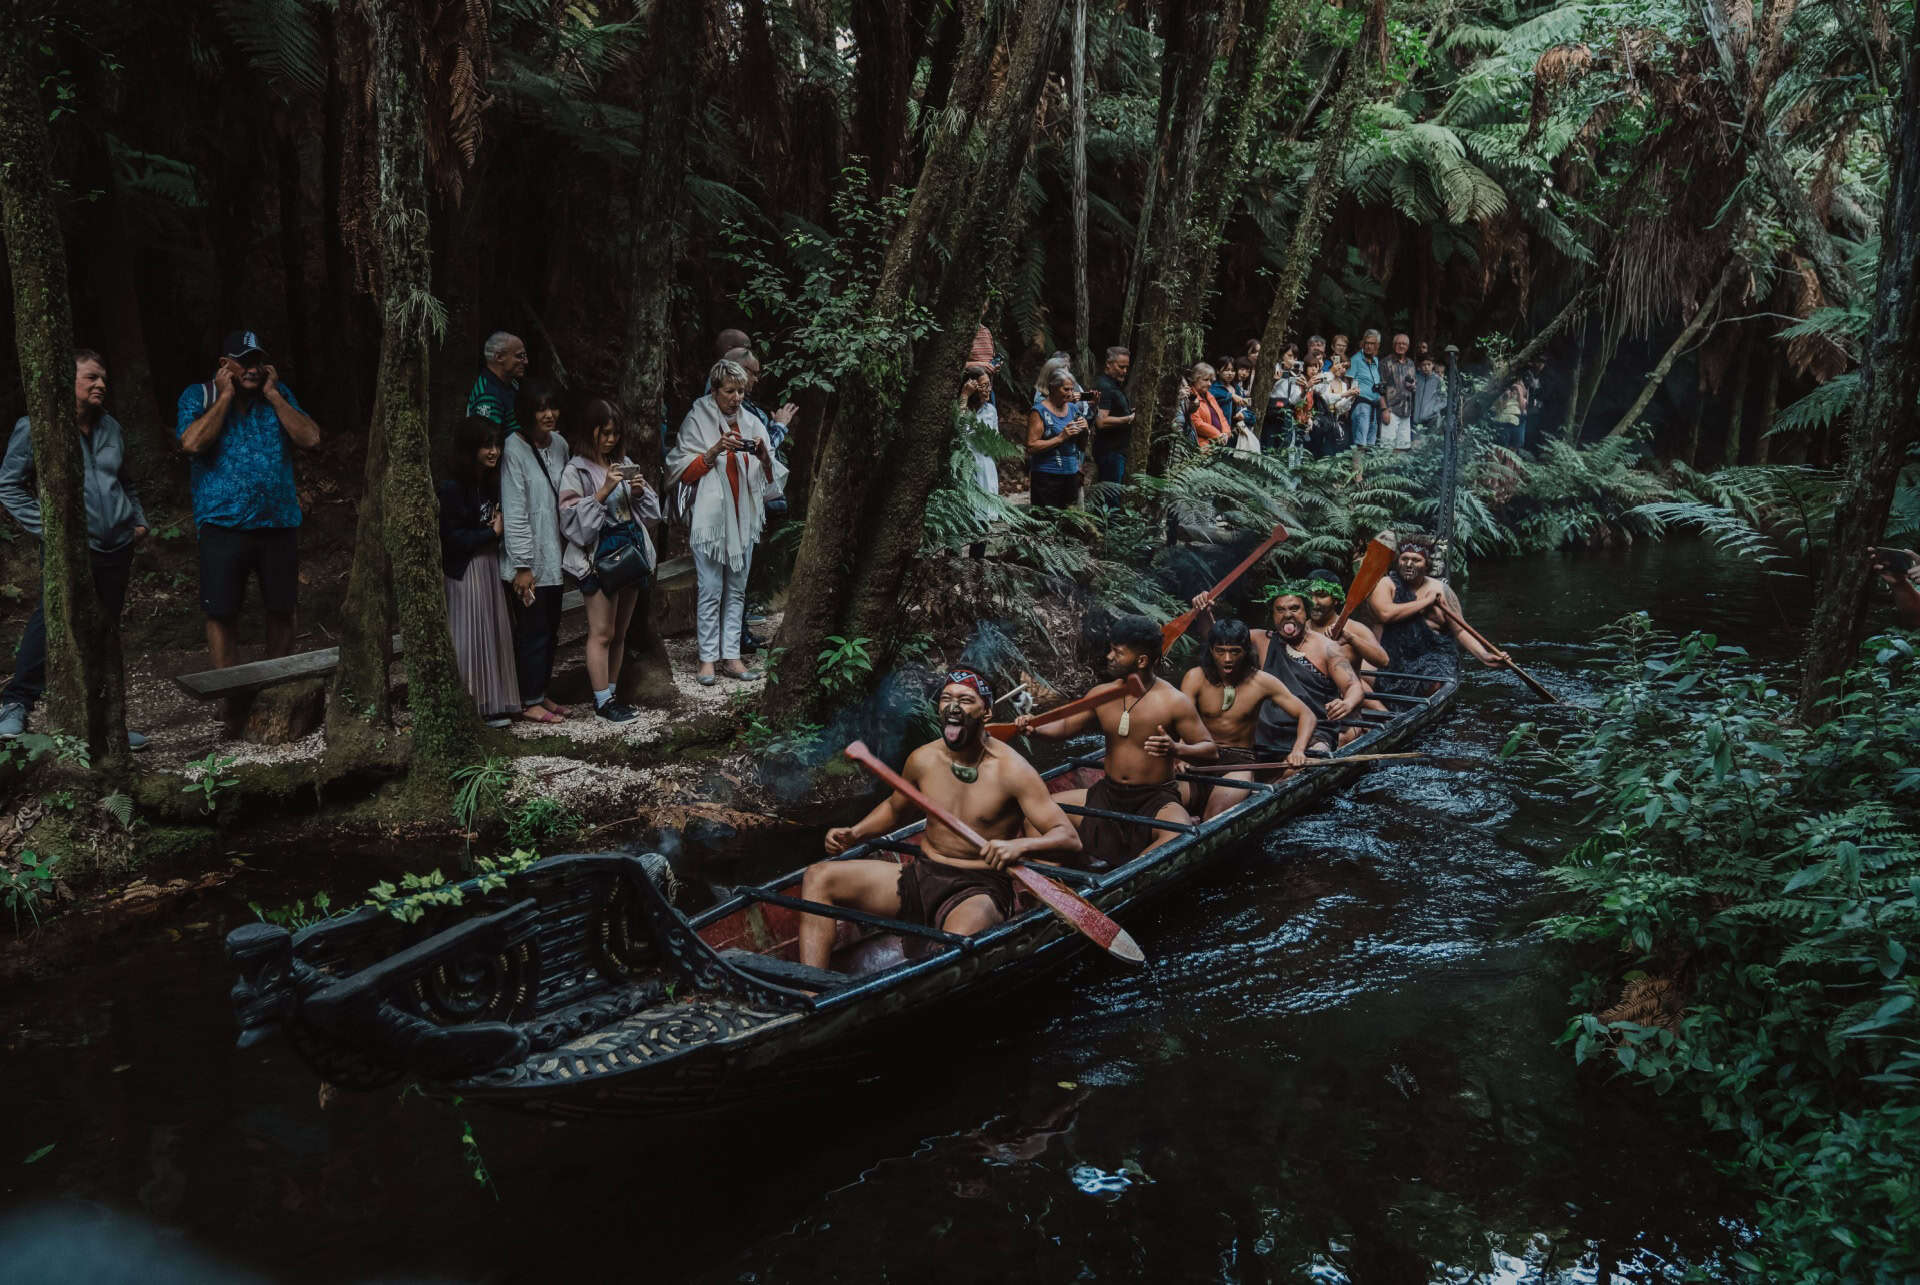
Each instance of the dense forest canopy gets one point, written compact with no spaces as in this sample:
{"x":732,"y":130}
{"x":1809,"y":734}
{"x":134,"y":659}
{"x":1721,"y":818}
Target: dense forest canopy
{"x":1504,"y":157}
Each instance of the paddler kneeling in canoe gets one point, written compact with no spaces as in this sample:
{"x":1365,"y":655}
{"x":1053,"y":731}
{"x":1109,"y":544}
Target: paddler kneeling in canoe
{"x":952,"y":886}
{"x":1229,"y":689}
{"x":1148,"y":737}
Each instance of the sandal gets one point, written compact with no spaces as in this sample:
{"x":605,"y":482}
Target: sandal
{"x":540,"y":714}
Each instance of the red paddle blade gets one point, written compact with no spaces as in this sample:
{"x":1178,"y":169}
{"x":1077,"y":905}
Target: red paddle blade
{"x":1172,"y":630}
{"x":1133,"y":686}
{"x":1082,"y":914}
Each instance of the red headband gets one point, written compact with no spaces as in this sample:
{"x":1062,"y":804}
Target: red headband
{"x":967,"y":678}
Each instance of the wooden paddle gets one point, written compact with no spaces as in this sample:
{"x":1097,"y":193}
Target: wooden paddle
{"x":1453,"y":618}
{"x":1132,"y":686}
{"x":1312,"y":762}
{"x":1082,"y":914}
{"x":1180,"y":624}
{"x":1378,"y":561}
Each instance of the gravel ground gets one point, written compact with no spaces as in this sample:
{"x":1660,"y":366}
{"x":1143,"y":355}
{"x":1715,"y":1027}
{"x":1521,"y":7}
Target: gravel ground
{"x":181,"y":729}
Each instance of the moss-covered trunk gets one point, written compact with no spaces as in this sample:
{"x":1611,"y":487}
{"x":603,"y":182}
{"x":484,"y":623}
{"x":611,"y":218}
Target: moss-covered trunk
{"x":865,"y":513}
{"x":1885,"y":425}
{"x":445,"y":724}
{"x":1159,"y":350}
{"x":85,"y":683}
{"x":668,"y":81}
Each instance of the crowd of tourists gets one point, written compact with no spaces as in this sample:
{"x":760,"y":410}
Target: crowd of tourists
{"x":542,"y":492}
{"x":1322,"y":401}
{"x":541,"y":495}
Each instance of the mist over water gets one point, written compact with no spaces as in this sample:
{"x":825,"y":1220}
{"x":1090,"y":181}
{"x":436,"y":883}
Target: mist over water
{"x":1338,"y":1066}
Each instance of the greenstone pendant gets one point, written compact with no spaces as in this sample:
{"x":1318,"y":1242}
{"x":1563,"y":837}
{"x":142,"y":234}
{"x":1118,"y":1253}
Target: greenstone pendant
{"x":1226,"y":698}
{"x":963,"y":772}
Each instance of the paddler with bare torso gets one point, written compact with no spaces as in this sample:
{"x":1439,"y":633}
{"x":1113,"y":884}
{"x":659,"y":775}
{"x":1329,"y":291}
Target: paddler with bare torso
{"x":1148,"y":737}
{"x":951,"y":886}
{"x":1414,"y":629}
{"x":1229,"y":688}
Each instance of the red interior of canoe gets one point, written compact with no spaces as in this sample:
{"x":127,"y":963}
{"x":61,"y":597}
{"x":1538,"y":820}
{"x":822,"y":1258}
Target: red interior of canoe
{"x":774,"y":930}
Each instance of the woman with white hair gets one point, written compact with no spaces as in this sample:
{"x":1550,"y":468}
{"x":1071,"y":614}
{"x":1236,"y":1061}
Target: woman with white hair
{"x":723,"y":453}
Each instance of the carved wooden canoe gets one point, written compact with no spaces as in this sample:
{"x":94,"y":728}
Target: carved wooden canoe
{"x":579,"y":988}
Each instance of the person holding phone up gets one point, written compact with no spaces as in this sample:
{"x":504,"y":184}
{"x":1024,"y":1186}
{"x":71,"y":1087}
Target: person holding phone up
{"x":1056,"y":438}
{"x":246,"y":511}
{"x":725,"y":456}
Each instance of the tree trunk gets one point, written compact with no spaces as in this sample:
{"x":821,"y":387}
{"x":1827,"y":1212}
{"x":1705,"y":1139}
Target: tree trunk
{"x":1796,"y":210}
{"x":1185,"y":77}
{"x":445,"y":724}
{"x":1701,"y":314}
{"x":659,"y":235}
{"x":1696,"y":417}
{"x":1498,"y":376}
{"x":1321,"y":185}
{"x":886,"y":37}
{"x":1885,"y":424}
{"x":1737,"y":407}
{"x":865,"y":514}
{"x":1137,"y":269}
{"x":1584,"y":395}
{"x":86,"y":693}
{"x":1769,"y":404}
{"x":1082,"y":308}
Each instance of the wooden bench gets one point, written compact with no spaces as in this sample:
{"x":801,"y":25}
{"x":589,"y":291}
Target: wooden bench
{"x":255,"y":675}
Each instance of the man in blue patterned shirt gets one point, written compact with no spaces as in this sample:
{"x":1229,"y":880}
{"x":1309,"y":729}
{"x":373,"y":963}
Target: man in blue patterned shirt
{"x":236,"y":427}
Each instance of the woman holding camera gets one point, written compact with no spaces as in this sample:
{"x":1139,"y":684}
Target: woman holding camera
{"x":1056,"y":438}
{"x":605,"y":504}
{"x":723,"y":453}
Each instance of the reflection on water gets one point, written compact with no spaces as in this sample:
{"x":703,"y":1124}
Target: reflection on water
{"x":1338,"y":1067}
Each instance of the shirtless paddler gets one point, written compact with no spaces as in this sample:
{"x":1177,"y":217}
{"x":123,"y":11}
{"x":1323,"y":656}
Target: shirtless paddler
{"x":1228,"y":687}
{"x":1147,"y":739}
{"x":951,"y":886}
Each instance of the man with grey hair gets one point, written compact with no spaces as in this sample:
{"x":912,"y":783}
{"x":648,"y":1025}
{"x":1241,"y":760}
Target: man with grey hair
{"x":1396,"y":392}
{"x":503,"y":365}
{"x":1363,"y":372}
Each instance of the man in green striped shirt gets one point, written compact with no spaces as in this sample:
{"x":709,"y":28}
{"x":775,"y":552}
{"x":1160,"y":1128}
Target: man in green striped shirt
{"x":505,"y":361}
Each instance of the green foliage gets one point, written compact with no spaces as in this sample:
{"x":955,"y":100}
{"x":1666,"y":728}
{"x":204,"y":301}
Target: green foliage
{"x":24,"y":888}
{"x":296,"y":915}
{"x":119,"y":806}
{"x":846,"y":665}
{"x":1772,"y":872}
{"x":479,"y":790}
{"x":209,"y":779}
{"x":821,"y":295}
{"x":540,"y":820}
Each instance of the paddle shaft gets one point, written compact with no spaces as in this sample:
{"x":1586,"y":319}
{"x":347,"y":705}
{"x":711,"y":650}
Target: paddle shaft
{"x":1375,"y":565}
{"x":1454,"y":618}
{"x":1211,"y":768}
{"x":1082,"y":914}
{"x":1132,"y":686}
{"x":1180,"y":624}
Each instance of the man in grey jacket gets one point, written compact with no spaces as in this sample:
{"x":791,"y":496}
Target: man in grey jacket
{"x":114,"y":521}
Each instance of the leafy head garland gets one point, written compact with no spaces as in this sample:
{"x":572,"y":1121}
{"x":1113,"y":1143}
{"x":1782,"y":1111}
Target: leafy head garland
{"x":1305,"y":589}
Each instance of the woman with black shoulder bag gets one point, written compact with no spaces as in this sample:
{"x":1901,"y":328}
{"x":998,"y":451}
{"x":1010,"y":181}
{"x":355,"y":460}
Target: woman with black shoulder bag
{"x":605,"y":504}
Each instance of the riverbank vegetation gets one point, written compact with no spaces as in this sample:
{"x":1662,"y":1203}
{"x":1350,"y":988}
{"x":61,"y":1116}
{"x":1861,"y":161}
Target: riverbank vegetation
{"x":1749,"y":901}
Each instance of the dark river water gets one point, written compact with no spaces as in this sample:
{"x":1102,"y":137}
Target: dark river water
{"x":1339,"y":1066}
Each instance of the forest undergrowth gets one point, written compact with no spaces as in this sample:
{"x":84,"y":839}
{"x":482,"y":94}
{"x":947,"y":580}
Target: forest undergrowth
{"x":1748,"y":909}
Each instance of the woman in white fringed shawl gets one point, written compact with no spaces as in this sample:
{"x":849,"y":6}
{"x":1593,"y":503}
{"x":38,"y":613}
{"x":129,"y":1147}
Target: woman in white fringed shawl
{"x":723,"y":452}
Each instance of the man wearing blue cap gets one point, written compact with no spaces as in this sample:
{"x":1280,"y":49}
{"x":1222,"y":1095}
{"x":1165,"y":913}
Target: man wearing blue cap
{"x":236,"y":427}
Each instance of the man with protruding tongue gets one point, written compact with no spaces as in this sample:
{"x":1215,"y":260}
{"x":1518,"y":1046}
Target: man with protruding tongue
{"x":952,"y":886}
